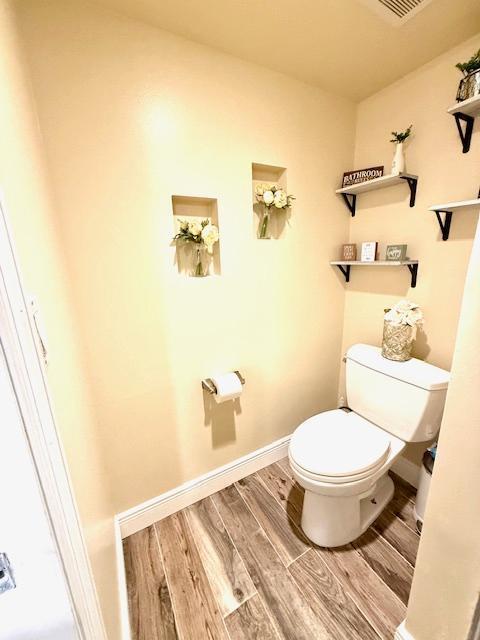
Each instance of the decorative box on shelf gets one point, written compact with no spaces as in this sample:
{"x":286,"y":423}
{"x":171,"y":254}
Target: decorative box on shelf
{"x":395,"y":252}
{"x":369,"y":251}
{"x":349,"y":252}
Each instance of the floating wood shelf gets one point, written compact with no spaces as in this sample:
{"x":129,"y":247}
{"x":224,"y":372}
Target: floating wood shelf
{"x":345,"y":266}
{"x":349,"y":194}
{"x":465,"y":113}
{"x":448,"y":208}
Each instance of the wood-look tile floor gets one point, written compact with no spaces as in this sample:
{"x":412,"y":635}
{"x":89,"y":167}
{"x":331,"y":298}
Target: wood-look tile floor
{"x":236,"y":566}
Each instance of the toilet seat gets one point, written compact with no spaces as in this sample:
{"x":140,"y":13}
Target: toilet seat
{"x":338,"y":447}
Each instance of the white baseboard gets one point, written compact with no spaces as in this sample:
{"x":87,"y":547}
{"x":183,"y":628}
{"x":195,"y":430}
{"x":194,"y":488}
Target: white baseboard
{"x":145,"y":514}
{"x":402,"y":634}
{"x":151,"y":511}
{"x":407,"y":470}
{"x":125,"y":633}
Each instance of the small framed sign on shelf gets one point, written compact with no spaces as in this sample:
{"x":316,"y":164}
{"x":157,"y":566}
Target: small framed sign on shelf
{"x":396,"y":252}
{"x":349,"y":252}
{"x":361,"y":175}
{"x":369,"y":251}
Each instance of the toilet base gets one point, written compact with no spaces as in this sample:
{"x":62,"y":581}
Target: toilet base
{"x":332,"y":521}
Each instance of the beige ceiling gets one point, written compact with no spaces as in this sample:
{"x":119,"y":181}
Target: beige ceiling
{"x":339,"y":45}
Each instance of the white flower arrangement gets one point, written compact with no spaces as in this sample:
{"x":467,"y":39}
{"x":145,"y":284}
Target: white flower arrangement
{"x":405,"y":313}
{"x":272,"y":198}
{"x":271,"y":195}
{"x":203,"y":232}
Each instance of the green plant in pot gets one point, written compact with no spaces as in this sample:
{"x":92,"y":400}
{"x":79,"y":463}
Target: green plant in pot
{"x":470,"y":84}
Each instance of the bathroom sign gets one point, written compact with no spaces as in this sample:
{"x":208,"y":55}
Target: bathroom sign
{"x":361,"y":175}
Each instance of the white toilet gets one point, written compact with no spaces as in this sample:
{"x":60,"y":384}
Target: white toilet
{"x":342,"y":458}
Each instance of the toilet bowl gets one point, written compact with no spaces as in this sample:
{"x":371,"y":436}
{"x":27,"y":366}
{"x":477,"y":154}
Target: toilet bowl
{"x":342,"y":458}
{"x":346,"y":486}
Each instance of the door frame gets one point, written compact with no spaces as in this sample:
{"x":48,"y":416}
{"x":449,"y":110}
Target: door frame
{"x":30,"y":385}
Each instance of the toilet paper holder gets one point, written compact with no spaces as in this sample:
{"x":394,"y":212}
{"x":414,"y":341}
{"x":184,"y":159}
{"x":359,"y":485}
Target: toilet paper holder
{"x":210,"y":387}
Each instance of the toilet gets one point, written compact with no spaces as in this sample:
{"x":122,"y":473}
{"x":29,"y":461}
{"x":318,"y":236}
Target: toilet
{"x":342,"y":458}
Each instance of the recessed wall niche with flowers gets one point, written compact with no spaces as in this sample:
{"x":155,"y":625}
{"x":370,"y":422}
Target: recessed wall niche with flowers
{"x":271,"y":201}
{"x":196,"y":235}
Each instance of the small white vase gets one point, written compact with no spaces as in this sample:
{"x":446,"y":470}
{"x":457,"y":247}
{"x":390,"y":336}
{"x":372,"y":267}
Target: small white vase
{"x":398,"y":163}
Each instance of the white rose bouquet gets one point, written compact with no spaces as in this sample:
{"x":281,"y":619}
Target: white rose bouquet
{"x":202,"y":234}
{"x":272,"y":198}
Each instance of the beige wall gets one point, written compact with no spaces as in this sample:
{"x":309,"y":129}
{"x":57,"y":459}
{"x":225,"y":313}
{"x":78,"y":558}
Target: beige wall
{"x":445,"y":174}
{"x":130,"y":116}
{"x":29,"y":210}
{"x":446,"y":584}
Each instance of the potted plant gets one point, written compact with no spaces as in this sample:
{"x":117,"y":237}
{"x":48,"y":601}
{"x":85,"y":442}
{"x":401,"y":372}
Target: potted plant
{"x":398,"y":163}
{"x":400,"y":330}
{"x":202,"y":236}
{"x":470,"y":84}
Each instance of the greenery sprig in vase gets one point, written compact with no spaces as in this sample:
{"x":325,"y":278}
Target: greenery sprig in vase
{"x":473,"y":64}
{"x":272,"y":198}
{"x":202,"y":235}
{"x":398,"y":138}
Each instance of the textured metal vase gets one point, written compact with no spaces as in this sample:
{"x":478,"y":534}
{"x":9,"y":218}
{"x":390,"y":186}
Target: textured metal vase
{"x":397,"y":341}
{"x":469,"y":86}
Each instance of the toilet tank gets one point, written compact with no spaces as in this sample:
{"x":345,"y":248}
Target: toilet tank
{"x":404,"y":398}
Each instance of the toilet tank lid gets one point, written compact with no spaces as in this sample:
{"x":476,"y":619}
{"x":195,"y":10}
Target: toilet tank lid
{"x":414,"y":371}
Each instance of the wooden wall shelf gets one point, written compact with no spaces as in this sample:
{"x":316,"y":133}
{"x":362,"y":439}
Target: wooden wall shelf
{"x":344,"y":266}
{"x":448,"y":208}
{"x":349,"y":194}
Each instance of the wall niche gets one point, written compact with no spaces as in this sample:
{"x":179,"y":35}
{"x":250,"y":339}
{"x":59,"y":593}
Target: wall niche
{"x":190,"y":209}
{"x":269,"y":174}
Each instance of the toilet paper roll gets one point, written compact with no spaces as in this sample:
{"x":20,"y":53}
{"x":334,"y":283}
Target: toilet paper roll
{"x":228,"y":387}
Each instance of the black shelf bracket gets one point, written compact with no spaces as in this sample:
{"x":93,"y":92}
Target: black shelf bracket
{"x":351,"y":203}
{"x":465,"y":134}
{"x":412,"y":183}
{"x":345,"y":269}
{"x":444,"y":225}
{"x":413,"y":268}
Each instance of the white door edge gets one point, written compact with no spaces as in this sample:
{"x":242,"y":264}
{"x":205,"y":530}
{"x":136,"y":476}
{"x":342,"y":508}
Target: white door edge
{"x":122,"y":583}
{"x":34,"y":402}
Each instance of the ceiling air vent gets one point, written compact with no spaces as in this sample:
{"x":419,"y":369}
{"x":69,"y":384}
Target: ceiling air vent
{"x":396,"y":12}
